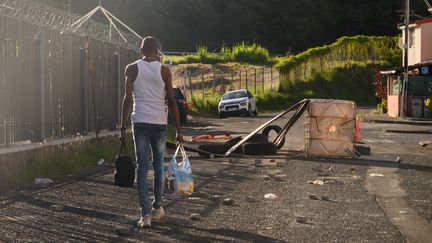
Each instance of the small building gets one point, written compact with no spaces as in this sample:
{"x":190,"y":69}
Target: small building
{"x":420,"y":73}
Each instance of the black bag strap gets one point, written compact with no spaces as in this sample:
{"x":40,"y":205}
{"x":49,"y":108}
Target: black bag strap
{"x":122,"y":148}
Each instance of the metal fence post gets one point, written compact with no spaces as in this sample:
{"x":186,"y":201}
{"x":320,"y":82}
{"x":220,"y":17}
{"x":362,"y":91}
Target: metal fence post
{"x":39,"y":91}
{"x":83,"y":93}
{"x":247,"y":85}
{"x":255,"y":80}
{"x":240,"y":86}
{"x":202,"y":84}
{"x":271,"y":79}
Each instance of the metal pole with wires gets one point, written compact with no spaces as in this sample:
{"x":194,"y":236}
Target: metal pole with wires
{"x":406,"y":68}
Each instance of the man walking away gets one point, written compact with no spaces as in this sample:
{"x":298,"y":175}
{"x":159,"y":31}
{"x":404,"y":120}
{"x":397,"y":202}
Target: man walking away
{"x":148,"y":87}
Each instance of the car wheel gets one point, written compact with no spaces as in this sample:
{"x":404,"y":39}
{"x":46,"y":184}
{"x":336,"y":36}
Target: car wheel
{"x":256,"y":111}
{"x":249,"y":111}
{"x":221,"y":116}
{"x":277,"y":129}
{"x":263,"y":148}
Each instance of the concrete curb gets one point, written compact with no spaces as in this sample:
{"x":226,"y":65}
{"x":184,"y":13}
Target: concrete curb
{"x":384,"y":121}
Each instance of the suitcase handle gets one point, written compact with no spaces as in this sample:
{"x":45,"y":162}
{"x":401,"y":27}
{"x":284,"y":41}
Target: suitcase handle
{"x":122,"y":148}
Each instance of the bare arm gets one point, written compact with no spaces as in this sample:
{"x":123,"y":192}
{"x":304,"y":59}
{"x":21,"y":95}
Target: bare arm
{"x":130,"y":73}
{"x":172,"y":106}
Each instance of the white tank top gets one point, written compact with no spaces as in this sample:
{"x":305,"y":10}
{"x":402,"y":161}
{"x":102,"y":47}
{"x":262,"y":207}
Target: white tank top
{"x":149,"y":94}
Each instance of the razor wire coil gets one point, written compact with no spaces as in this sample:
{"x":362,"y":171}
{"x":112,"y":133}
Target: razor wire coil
{"x":62,"y":21}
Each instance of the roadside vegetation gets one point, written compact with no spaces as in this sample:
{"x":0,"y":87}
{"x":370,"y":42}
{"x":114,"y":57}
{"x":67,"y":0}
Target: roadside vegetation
{"x":239,"y":53}
{"x":345,"y":69}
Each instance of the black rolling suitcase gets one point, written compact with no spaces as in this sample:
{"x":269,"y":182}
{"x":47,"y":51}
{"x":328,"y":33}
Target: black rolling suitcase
{"x":124,"y":175}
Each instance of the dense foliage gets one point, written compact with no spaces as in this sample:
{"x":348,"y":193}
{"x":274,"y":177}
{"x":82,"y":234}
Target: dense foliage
{"x":239,"y":53}
{"x":279,"y":25}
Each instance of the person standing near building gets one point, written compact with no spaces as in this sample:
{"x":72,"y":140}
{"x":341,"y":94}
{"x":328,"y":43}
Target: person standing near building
{"x":149,"y":96}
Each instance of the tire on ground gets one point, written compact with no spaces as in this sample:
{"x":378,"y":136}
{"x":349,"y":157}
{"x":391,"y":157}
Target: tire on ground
{"x":259,"y":148}
{"x":213,"y":148}
{"x":277,"y":129}
{"x":233,"y":141}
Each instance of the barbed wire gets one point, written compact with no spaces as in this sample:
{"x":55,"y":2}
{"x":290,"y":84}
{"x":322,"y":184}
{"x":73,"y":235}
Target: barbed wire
{"x":62,"y":21}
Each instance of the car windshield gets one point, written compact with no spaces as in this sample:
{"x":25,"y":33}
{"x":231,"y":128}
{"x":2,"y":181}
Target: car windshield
{"x":234,"y":95}
{"x":177,"y":94}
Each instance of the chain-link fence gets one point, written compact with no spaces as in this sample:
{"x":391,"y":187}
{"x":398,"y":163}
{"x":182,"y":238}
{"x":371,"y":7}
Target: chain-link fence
{"x":204,"y":80}
{"x":53,"y":82}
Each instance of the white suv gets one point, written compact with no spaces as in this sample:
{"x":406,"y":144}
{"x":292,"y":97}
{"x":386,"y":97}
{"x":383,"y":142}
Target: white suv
{"x":237,"y":102}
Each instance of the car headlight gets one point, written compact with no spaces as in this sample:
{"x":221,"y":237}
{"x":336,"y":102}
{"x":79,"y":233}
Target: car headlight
{"x":221,"y":106}
{"x":243,"y":103}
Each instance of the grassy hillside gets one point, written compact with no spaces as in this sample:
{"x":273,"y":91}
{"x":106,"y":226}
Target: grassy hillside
{"x":343,"y":70}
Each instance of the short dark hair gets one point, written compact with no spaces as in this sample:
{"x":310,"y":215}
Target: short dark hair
{"x":150,"y":45}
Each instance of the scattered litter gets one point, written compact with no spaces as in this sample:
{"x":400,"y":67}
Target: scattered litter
{"x":271,"y":196}
{"x":300,"y":219}
{"x":226,"y":163}
{"x":316,"y":182}
{"x":425,"y":143}
{"x":194,"y":198}
{"x":101,"y":162}
{"x":325,"y":198}
{"x":211,"y":137}
{"x":195,"y":216}
{"x":279,"y":164}
{"x":313,"y":197}
{"x":354,"y":169}
{"x":228,"y":202}
{"x":272,"y":161}
{"x":43,"y":181}
{"x":252,"y":199}
{"x":57,"y":208}
{"x":245,"y":122}
{"x":403,"y":212}
{"x":376,"y":175}
{"x":265,"y":177}
{"x":356,"y":177}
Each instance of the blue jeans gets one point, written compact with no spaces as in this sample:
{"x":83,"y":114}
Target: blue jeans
{"x":145,"y":135}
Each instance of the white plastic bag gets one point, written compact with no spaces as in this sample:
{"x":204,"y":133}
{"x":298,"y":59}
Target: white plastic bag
{"x":179,"y":174}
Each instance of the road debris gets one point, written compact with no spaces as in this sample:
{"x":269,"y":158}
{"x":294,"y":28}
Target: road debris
{"x":271,"y":196}
{"x":101,"y":162}
{"x":252,"y":199}
{"x":376,"y":175}
{"x":228,"y":202}
{"x":300,"y":219}
{"x":43,"y":181}
{"x":57,"y":207}
{"x":425,"y":143}
{"x":195,"y":216}
{"x":313,"y":197}
{"x":325,"y":198}
{"x":316,"y":182}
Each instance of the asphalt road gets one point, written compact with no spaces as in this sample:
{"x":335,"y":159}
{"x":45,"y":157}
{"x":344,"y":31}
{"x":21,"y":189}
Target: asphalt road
{"x":93,"y":210}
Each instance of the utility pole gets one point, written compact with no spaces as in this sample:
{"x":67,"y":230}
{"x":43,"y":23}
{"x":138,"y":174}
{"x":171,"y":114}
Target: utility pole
{"x":406,"y":47}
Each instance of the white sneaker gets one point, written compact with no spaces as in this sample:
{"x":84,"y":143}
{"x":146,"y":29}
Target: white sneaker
{"x":158,"y":213}
{"x":145,"y":222}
